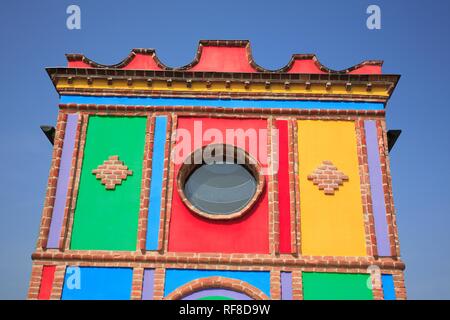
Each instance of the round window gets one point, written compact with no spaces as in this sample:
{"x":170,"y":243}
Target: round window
{"x":221,"y":185}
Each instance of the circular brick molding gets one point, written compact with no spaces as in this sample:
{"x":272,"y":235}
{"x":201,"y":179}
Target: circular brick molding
{"x":206,"y":155}
{"x":217,"y":283}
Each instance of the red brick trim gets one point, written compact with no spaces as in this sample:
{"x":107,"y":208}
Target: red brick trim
{"x":369,"y":223}
{"x":386,"y":267}
{"x":158,"y":283}
{"x":298,"y":243}
{"x":387,"y":187}
{"x":275,"y":285}
{"x":136,"y":286}
{"x":384,"y":155}
{"x":375,"y":282}
{"x":161,"y":266}
{"x":170,"y":184}
{"x":35,"y":281}
{"x":196,"y":111}
{"x":58,"y":282}
{"x":112,"y":172}
{"x":377,"y":290}
{"x":47,"y":212}
{"x":272,"y":183}
{"x":297,"y":285}
{"x":399,"y":285}
{"x":292,"y":187}
{"x":255,"y":260}
{"x":145,"y":185}
{"x":327,"y":177}
{"x":217,"y":282}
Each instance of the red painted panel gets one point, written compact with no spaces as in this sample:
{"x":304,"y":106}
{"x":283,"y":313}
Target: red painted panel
{"x":142,"y":61}
{"x":223,"y":59}
{"x":48,"y":273}
{"x":310,"y":66}
{"x":305,"y":66}
{"x":78,"y":64}
{"x":227,"y":59}
{"x":367,"y":70}
{"x":249,"y":234}
{"x":284,"y":198}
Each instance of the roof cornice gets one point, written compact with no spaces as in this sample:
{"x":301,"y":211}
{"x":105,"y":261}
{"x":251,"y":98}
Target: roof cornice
{"x":147,"y":59}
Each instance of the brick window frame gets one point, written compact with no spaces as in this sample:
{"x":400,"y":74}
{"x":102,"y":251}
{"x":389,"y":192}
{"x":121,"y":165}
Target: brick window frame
{"x":189,"y":166}
{"x":215,"y":283}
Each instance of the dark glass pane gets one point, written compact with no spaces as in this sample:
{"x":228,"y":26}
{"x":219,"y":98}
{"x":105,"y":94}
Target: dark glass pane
{"x":220,"y":188}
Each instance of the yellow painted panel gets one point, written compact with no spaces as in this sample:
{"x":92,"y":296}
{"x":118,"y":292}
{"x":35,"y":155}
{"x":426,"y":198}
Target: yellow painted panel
{"x":221,"y":87}
{"x":331,"y":225}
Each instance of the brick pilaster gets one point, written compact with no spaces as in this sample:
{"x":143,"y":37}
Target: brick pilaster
{"x":399,"y":285}
{"x":136,"y":287}
{"x":158,"y":286}
{"x":377,"y":289}
{"x":35,"y":281}
{"x":52,"y":181}
{"x":58,"y":282}
{"x":297,"y":285}
{"x":272,"y":182}
{"x":275,"y":284}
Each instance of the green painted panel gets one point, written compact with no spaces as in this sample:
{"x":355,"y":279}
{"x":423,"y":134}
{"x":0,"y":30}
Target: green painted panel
{"x":108,"y":219}
{"x":336,"y":286}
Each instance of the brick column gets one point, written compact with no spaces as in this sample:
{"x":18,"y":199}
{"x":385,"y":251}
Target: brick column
{"x":58,"y":282}
{"x":275,"y":285}
{"x":272,"y":187}
{"x":366,"y":197}
{"x":297,"y":216}
{"x":158,"y":292}
{"x":377,"y":289}
{"x":171,"y":167}
{"x":399,"y":284}
{"x":297,"y":285}
{"x":52,"y":181}
{"x":145,"y":186}
{"x":35,"y":281}
{"x":138,"y":278}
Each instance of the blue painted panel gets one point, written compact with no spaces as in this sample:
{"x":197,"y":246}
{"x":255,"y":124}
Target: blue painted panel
{"x":156,"y":183}
{"x":387,"y":282}
{"x":235,"y":103}
{"x":148,"y":284}
{"x":97,"y":283}
{"x":177,"y":277}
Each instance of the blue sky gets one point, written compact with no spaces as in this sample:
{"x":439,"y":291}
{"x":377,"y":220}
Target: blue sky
{"x":411,"y":41}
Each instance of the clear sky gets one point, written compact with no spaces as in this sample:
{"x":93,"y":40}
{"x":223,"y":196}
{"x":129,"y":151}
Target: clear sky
{"x":413,"y":41}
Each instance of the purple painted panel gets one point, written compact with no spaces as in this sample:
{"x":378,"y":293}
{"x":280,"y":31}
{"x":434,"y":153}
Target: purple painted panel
{"x":148,"y":284}
{"x":286,"y":285}
{"x":217,"y":292}
{"x":63,"y":181}
{"x":376,"y":189}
